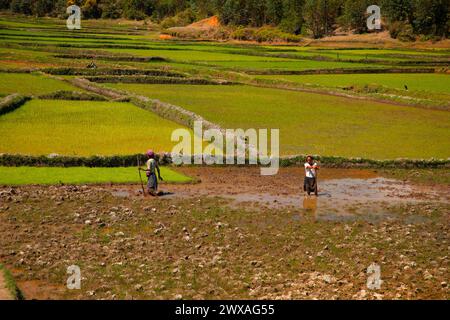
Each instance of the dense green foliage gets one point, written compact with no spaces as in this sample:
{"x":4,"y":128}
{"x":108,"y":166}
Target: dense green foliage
{"x":403,"y":18}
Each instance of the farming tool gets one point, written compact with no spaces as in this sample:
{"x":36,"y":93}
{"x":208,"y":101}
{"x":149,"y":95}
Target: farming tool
{"x":140,"y":175}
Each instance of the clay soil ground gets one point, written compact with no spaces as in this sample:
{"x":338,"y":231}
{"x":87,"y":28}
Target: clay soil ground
{"x":233,"y":235}
{"x":4,"y":292}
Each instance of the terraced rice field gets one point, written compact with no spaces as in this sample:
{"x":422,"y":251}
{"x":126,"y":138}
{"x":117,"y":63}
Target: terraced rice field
{"x":313,"y":123}
{"x":31,"y":84}
{"x":433,"y":83}
{"x":309,"y":123}
{"x":233,"y":234}
{"x":43,"y":127}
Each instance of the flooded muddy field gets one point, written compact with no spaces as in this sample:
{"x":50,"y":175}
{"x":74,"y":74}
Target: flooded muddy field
{"x":234,"y":234}
{"x":343,"y":194}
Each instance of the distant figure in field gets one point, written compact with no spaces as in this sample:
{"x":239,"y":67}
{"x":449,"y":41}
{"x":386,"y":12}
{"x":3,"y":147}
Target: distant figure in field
{"x":406,"y":87}
{"x":152,"y":168}
{"x":310,"y":183}
{"x":91,"y":65}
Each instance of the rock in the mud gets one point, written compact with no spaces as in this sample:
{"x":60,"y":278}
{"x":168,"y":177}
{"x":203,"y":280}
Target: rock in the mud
{"x":360,"y":295}
{"x":427,"y":275}
{"x":138,"y":287}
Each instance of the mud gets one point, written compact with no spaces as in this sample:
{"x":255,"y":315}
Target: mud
{"x":344,"y":195}
{"x":234,"y":235}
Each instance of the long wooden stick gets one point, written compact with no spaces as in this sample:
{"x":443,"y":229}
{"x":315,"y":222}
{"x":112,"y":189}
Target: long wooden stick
{"x":140,"y":176}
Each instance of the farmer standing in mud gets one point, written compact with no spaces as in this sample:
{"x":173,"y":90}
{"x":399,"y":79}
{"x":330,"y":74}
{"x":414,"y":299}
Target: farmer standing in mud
{"x":310,"y":183}
{"x":152,"y":167}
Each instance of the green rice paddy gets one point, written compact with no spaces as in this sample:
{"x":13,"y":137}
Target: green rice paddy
{"x":79,"y":175}
{"x":314,"y":123}
{"x":31,"y":84}
{"x":437,"y":83}
{"x":43,"y":127}
{"x":309,"y":123}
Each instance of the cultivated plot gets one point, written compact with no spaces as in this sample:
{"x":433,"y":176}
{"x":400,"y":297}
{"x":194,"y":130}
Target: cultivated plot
{"x":313,"y":123}
{"x":31,"y":84}
{"x":433,"y":83}
{"x":43,"y":127}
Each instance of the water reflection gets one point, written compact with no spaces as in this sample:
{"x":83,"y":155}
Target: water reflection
{"x":310,"y":204}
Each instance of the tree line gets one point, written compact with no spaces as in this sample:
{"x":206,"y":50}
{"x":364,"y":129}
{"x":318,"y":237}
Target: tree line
{"x":403,"y":18}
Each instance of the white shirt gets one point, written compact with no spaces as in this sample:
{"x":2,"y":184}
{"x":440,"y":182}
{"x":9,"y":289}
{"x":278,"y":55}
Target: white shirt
{"x":310,"y":173}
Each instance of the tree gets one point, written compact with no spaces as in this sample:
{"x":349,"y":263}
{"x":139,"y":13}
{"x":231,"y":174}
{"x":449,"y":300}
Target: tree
{"x":111,"y":10}
{"x":4,"y":4}
{"x":274,"y":11}
{"x":355,"y":16}
{"x":137,"y":9}
{"x":292,"y":16}
{"x":320,"y":16}
{"x":43,"y":7}
{"x":431,"y":17}
{"x":204,"y":8}
{"x":91,"y":9}
{"x":233,"y":12}
{"x":398,"y":10}
{"x":21,"y":6}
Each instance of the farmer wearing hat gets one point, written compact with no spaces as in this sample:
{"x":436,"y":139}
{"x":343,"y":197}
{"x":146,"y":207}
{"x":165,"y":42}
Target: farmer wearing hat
{"x":152,"y":167}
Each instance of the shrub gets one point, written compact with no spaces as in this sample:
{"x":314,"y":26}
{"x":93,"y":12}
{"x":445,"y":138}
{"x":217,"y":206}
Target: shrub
{"x":22,"y":6}
{"x":111,"y":10}
{"x":110,"y":71}
{"x":402,"y":31}
{"x":72,"y":95}
{"x":180,"y":20}
{"x":406,"y":34}
{"x":9,"y":160}
{"x":264,"y":34}
{"x":113,"y":58}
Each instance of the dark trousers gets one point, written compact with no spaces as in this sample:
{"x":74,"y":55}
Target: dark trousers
{"x":152,"y":183}
{"x":310,"y":185}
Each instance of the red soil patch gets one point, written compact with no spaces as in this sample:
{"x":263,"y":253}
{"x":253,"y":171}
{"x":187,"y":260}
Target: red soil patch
{"x":208,"y":23}
{"x":40,"y":290}
{"x":165,"y":36}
